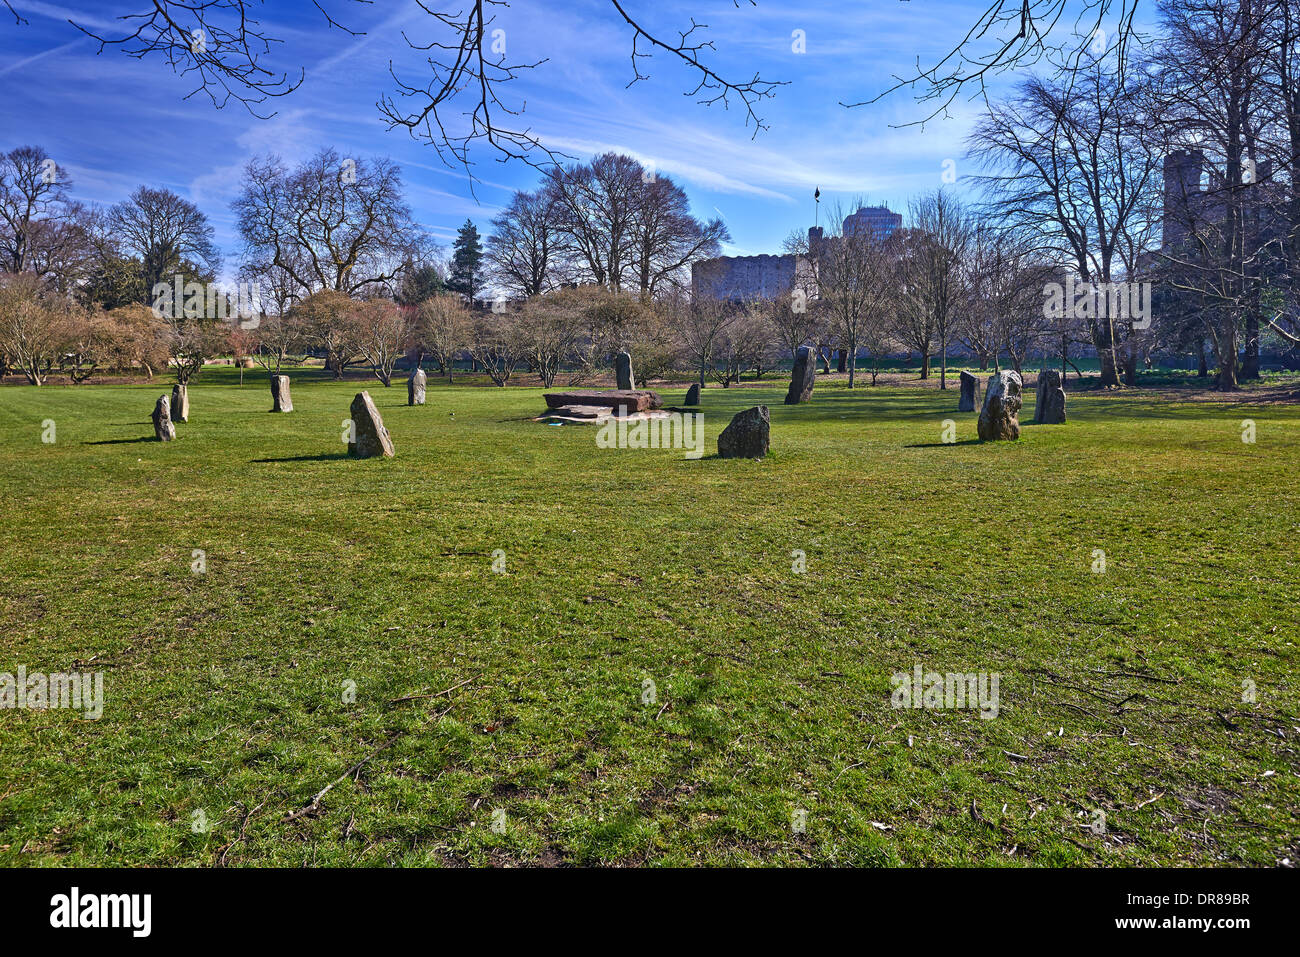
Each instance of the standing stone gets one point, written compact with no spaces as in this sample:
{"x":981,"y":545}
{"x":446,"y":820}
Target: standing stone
{"x":1049,"y":403}
{"x":369,"y":437}
{"x":162,"y":420}
{"x":280,"y":398}
{"x":415,"y":387}
{"x":970,"y":393}
{"x":747,"y":435}
{"x":180,"y":403}
{"x":693,"y":394}
{"x":623,"y":369}
{"x":998,"y":419}
{"x":802,"y":377}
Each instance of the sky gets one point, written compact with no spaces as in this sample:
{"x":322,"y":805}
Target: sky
{"x":115,"y":122}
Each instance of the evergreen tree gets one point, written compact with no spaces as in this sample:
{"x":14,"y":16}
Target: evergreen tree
{"x":467,"y":256}
{"x":420,"y":283}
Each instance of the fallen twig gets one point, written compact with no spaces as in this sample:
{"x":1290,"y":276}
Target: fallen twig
{"x":314,"y":804}
{"x":221,"y":860}
{"x":438,"y":694}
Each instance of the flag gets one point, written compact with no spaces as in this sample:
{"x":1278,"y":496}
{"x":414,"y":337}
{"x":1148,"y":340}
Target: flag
{"x":817,"y":194}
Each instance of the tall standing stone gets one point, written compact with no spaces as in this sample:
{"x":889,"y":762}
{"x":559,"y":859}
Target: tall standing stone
{"x":747,"y":436}
{"x":280,"y":398}
{"x":693,"y":394}
{"x":999,"y":419}
{"x":163,"y":429}
{"x":369,"y":437}
{"x":623,"y":369}
{"x":415,"y":387}
{"x":802,"y":376}
{"x":1049,"y":403}
{"x":180,"y":403}
{"x":970,"y":393}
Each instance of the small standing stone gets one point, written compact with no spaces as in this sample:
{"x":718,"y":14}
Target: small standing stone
{"x":999,"y":417}
{"x":802,"y":376}
{"x":415,"y":387}
{"x":369,"y":437}
{"x":693,"y":394}
{"x":970,"y":393}
{"x":1049,"y":404}
{"x":180,"y":403}
{"x":282,"y":402}
{"x":163,"y":428}
{"x":747,"y":436}
{"x":623,"y":369}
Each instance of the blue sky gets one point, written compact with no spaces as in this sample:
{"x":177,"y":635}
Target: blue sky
{"x":116,"y":122}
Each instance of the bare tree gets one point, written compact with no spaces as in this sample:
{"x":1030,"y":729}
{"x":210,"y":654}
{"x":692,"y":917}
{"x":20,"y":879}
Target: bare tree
{"x":1213,"y":62}
{"x":384,"y":329}
{"x":597,"y":205}
{"x":165,"y":232}
{"x":333,"y":223}
{"x":443,"y":330}
{"x":192,"y":342}
{"x":665,"y":237}
{"x":138,"y":339}
{"x":551,"y":326}
{"x":273,"y":341}
{"x":1066,"y":164}
{"x":33,"y":192}
{"x":939,"y":242}
{"x":499,"y":345}
{"x":857,"y":281}
{"x":34,"y":326}
{"x":701,"y":327}
{"x":795,"y":320}
{"x":326,"y":319}
{"x":524,"y":249}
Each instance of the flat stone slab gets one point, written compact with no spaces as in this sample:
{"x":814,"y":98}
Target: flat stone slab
{"x":595,"y":415}
{"x":628,"y":400}
{"x":583,"y":411}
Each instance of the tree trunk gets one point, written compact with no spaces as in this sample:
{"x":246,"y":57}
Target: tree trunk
{"x":1130,"y":367}
{"x":1103,"y":338}
{"x":925,"y":364}
{"x":1226,"y":380}
{"x":1250,"y":365}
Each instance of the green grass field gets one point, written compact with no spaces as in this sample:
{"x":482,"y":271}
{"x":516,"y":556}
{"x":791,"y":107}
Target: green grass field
{"x":1120,"y":693}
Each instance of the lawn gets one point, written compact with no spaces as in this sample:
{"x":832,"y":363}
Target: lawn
{"x":767,"y":736}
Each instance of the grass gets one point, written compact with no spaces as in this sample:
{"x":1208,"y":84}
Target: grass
{"x":1119,"y":692}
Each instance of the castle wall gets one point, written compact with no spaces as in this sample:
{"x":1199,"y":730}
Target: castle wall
{"x":742,"y":278}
